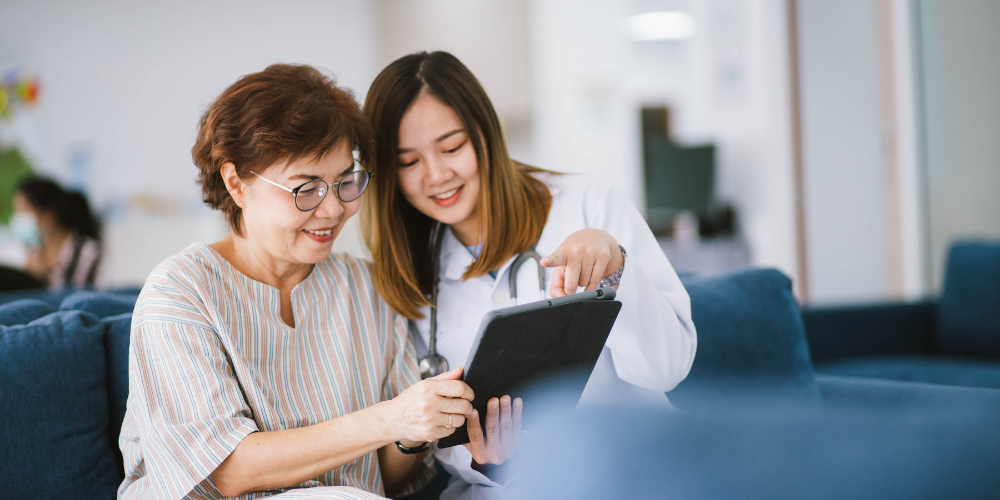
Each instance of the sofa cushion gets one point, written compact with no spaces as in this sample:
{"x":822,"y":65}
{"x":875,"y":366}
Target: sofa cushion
{"x":965,"y":372}
{"x":846,"y":392}
{"x":100,"y":304}
{"x":117,"y":330}
{"x":750,"y":335}
{"x":54,"y":409}
{"x":24,"y":311}
{"x":969,"y":309}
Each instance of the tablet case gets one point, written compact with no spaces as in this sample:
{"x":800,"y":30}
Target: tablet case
{"x":518,"y":353}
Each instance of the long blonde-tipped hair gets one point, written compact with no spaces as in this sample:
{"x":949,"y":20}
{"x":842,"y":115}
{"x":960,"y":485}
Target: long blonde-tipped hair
{"x":397,"y":234}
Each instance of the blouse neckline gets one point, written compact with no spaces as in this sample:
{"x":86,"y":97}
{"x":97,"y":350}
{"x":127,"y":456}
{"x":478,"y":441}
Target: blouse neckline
{"x":269,"y":290}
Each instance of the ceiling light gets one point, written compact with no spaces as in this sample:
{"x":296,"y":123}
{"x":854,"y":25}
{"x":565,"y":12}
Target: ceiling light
{"x":660,"y":25}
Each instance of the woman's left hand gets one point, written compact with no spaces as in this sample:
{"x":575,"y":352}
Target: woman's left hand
{"x":586,"y":257}
{"x":503,"y":431}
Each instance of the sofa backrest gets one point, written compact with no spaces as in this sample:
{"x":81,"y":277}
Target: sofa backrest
{"x":100,"y":304}
{"x":968,"y":320}
{"x":24,"y":311}
{"x":117,"y":331}
{"x":750,"y":337}
{"x":54,"y":409}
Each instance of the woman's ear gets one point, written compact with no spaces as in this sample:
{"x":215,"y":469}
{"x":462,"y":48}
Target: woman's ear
{"x":236,"y":187}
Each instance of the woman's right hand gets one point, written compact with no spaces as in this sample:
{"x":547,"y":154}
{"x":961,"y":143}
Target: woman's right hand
{"x":430,"y":409}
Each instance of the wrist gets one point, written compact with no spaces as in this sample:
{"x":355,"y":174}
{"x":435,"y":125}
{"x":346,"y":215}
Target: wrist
{"x":384,"y":423}
{"x":617,"y":261}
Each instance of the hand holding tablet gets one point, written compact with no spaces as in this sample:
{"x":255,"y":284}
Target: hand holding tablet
{"x":519,"y":348}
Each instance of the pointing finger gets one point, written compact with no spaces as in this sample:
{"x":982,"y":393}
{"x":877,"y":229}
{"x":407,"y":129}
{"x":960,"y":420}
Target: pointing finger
{"x":555,"y":260}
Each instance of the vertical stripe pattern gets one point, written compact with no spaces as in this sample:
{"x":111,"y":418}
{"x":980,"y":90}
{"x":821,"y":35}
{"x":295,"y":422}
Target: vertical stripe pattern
{"x":211,"y":361}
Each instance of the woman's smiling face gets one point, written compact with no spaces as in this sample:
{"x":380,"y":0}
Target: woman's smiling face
{"x":438,"y":171}
{"x":272,"y":221}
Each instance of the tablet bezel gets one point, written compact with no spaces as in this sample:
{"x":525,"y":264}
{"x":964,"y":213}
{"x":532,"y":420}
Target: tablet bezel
{"x":606,"y":293}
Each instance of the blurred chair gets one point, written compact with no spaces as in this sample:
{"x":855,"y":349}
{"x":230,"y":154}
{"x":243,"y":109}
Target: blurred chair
{"x":678,"y":178}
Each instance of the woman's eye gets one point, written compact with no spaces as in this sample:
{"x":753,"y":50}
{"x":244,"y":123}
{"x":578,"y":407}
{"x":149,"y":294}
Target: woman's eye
{"x":410,"y":164}
{"x":456,"y":148}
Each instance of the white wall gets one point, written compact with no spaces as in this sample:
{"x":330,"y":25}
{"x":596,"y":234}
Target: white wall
{"x":961,"y":78}
{"x":126,"y":83}
{"x":489,"y":36}
{"x":743,"y":101}
{"x":842,"y":144}
{"x":590,"y":82}
{"x":586,"y":117}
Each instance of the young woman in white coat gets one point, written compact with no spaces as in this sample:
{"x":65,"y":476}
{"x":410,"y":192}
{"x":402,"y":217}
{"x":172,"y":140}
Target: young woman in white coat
{"x":447,"y":196}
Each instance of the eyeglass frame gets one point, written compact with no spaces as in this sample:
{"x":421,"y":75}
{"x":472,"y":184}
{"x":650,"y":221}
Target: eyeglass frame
{"x":335,"y":187}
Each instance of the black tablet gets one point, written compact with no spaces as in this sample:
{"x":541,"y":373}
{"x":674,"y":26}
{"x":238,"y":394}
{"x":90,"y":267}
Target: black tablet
{"x":519,"y":348}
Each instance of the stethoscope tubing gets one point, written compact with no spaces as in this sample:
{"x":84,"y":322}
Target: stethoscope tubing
{"x":433,"y":363}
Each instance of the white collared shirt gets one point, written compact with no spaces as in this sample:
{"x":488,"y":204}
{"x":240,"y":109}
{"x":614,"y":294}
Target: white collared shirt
{"x":650,"y":348}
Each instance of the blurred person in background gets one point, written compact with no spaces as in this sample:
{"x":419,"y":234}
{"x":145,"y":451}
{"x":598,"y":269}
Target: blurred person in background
{"x":449,"y":200}
{"x":60,"y":232}
{"x":264,"y":364}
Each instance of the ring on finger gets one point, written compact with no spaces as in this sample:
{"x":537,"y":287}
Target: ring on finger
{"x":449,"y":422}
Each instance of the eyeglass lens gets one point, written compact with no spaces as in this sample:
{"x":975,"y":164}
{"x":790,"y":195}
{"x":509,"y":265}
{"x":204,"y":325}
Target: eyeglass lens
{"x":311,"y":194}
{"x":353,"y":185}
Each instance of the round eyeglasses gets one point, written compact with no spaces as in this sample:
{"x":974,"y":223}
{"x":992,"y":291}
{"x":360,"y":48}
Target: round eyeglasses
{"x":309,"y":195}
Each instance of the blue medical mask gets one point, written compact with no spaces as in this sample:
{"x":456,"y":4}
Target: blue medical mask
{"x":24,"y":227}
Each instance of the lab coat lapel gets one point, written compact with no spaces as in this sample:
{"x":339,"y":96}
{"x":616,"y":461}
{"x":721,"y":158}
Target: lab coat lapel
{"x":455,"y":258}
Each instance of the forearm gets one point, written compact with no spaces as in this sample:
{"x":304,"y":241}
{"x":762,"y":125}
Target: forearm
{"x":276,"y":459}
{"x":398,"y":468}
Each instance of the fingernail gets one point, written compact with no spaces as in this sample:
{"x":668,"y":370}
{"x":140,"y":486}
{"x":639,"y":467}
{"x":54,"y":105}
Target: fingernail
{"x":493,"y":403}
{"x":475,"y":414}
{"x":505,"y":401}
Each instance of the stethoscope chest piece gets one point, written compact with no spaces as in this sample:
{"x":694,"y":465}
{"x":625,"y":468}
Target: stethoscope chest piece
{"x":432,"y":365}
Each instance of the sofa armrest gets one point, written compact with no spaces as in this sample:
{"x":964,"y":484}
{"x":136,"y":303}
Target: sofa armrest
{"x":869,"y":330}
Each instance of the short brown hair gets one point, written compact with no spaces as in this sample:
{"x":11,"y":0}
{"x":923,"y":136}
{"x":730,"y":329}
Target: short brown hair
{"x":512,"y":207}
{"x":284,"y":113}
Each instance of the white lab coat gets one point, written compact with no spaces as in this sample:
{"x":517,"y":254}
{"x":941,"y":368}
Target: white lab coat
{"x":650,"y":349}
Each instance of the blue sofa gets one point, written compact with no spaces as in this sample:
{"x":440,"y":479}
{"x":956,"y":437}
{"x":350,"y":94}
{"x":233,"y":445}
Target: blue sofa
{"x":953,"y":341}
{"x":63,"y":390}
{"x":64,"y":378}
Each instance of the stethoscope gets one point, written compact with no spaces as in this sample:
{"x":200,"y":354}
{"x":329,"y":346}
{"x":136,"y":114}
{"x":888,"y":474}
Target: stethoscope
{"x":433,"y":363}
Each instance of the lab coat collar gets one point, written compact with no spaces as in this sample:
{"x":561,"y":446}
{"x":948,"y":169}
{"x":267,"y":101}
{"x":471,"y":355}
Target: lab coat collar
{"x":456,"y":259}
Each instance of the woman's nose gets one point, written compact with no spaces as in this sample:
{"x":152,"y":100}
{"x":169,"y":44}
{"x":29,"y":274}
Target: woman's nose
{"x":436,"y":173}
{"x":331,"y":206}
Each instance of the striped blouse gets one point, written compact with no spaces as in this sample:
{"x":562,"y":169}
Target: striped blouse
{"x":211,"y":361}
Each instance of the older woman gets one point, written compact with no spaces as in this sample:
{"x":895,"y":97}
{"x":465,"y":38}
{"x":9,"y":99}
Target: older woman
{"x":261,"y":364}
